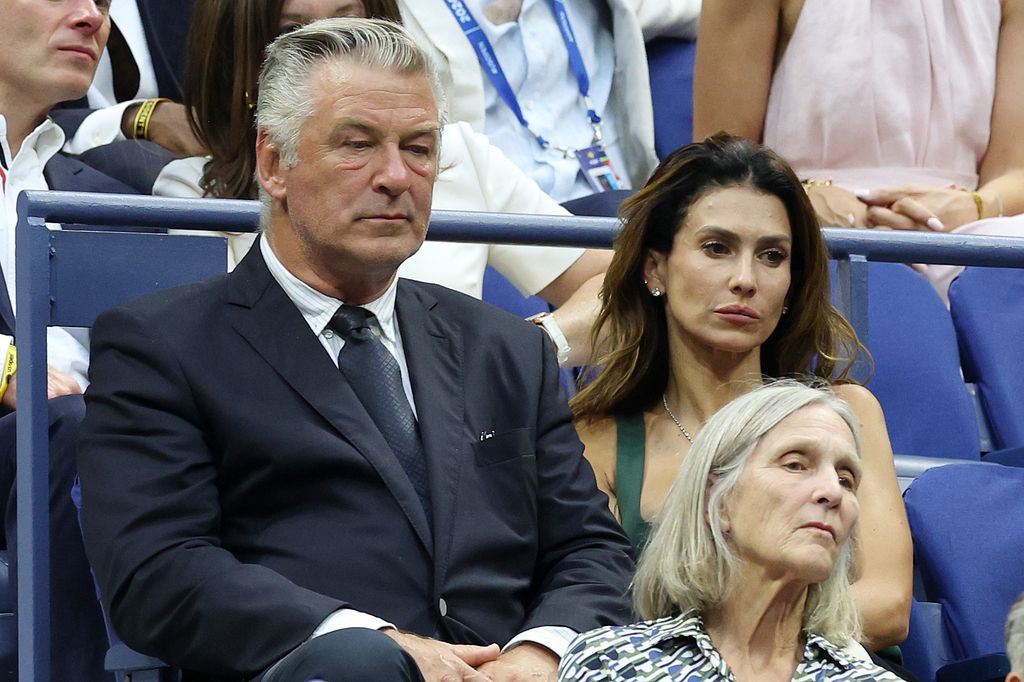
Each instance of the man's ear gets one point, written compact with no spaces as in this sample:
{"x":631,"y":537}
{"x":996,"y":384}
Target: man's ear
{"x":1014,"y":677}
{"x":270,"y":171}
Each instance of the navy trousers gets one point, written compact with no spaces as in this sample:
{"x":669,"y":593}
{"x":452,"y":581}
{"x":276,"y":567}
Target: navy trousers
{"x":79,"y":639}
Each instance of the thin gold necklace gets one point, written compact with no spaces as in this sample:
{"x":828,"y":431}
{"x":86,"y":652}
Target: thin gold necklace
{"x":682,"y":429}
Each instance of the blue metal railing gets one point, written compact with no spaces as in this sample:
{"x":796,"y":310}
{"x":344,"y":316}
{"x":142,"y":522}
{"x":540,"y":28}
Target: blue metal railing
{"x":852,"y":248}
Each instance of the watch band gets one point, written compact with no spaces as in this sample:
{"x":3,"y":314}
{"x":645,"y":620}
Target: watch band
{"x":550,"y":325}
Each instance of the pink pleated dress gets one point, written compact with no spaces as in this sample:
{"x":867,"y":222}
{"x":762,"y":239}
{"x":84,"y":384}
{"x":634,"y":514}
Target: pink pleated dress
{"x":878,"y":93}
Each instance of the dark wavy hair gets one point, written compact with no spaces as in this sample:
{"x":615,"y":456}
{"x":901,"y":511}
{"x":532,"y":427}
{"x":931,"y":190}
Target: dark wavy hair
{"x":226,"y":43}
{"x":631,"y":372}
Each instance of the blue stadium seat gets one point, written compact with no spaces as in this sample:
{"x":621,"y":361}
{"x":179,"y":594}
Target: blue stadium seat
{"x":967,"y":521}
{"x":917,"y":376}
{"x":987,"y":305}
{"x":62,"y":282}
{"x":670,"y":61}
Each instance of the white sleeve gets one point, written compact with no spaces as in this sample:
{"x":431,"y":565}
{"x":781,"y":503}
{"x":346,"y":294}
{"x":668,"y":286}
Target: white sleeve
{"x":349,"y":618}
{"x":180,"y":178}
{"x":556,"y":638}
{"x":667,"y":18}
{"x":477,"y":176}
{"x":102,"y":126}
{"x":65,"y":354}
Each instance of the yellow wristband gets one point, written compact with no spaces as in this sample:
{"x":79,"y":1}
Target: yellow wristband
{"x":10,"y":367}
{"x":978,"y":201}
{"x":140,"y":127}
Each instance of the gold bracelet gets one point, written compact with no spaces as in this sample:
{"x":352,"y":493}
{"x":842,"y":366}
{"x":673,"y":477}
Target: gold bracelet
{"x":978,"y":201}
{"x":10,"y":367}
{"x":816,"y":183}
{"x":140,"y":126}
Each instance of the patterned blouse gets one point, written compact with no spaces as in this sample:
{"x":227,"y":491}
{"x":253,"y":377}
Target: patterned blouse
{"x":679,"y":649}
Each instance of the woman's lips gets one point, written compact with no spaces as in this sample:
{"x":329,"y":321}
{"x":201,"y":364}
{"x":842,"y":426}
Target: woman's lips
{"x":738,"y":314}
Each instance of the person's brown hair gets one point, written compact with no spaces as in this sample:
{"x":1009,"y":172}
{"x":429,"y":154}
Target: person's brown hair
{"x":226,"y":43}
{"x":632,"y":372}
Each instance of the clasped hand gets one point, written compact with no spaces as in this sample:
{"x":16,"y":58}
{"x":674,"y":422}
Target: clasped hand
{"x":442,"y":662}
{"x":907,"y":207}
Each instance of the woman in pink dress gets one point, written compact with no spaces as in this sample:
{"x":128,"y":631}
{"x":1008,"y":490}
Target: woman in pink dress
{"x":903,"y":114}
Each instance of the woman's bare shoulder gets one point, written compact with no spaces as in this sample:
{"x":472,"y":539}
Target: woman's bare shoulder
{"x":599,"y":436}
{"x":862,"y":400}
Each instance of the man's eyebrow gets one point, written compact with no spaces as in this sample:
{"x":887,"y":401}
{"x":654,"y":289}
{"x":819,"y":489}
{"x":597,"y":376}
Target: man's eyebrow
{"x":354,"y":124}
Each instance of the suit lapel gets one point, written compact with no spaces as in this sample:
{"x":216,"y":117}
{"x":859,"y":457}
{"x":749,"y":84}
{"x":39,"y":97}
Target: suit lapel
{"x":264,"y":315}
{"x":433,"y":352}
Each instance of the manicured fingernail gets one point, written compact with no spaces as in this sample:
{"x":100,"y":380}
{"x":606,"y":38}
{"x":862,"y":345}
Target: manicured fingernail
{"x":935,"y":224}
{"x":862,"y":193}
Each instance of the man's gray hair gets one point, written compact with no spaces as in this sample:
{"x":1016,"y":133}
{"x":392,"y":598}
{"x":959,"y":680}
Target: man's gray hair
{"x":285,"y":100}
{"x":689,"y":560}
{"x":1015,"y":636}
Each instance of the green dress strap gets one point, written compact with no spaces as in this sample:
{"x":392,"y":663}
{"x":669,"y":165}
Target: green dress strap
{"x":629,"y":477}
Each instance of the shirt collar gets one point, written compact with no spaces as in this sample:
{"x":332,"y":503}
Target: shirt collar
{"x":817,"y":646}
{"x":42,"y":143}
{"x":318,"y":308}
{"x":690,"y":625}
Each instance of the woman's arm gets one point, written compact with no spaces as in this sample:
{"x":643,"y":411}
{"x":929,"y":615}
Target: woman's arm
{"x":886,"y":558}
{"x":1002,"y":169}
{"x":599,"y":443}
{"x":735,"y":59}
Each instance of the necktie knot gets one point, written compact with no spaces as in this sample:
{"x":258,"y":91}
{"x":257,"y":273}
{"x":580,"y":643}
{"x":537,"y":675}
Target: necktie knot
{"x":352,"y":322}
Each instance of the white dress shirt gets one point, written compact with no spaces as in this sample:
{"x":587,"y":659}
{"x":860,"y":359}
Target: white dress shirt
{"x":535,"y":60}
{"x":25,"y":171}
{"x":318,"y":309}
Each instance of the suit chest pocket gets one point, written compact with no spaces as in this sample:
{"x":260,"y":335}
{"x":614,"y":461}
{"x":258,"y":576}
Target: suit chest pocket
{"x":503,"y":447}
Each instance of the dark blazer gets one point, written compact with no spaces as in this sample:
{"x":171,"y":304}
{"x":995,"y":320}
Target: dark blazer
{"x":236,"y":491}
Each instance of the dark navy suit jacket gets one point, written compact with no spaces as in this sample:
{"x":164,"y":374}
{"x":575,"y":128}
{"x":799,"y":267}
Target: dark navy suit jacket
{"x":236,"y":492}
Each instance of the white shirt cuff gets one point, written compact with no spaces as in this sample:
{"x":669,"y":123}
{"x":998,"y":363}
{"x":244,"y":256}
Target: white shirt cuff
{"x":554,"y":637}
{"x":102,"y":126}
{"x":349,"y":618}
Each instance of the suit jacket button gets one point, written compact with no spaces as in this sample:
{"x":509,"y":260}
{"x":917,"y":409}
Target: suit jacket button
{"x":442,"y":606}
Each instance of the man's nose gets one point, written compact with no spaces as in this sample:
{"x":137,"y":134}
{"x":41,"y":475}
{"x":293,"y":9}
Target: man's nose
{"x":393,"y":174}
{"x":87,"y":16}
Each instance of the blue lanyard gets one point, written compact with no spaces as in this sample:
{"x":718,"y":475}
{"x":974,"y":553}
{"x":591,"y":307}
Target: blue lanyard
{"x":489,"y":62}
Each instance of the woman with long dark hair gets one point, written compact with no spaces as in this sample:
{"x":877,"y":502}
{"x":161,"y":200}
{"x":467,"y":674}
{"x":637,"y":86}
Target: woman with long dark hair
{"x":720,"y":278}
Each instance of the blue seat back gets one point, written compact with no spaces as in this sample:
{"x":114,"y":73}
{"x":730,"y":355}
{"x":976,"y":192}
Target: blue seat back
{"x":670,"y":62}
{"x":987,"y":305}
{"x":917,"y":376}
{"x":967,"y":521}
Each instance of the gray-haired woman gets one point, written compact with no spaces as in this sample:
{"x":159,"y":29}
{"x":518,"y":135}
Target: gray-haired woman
{"x":747,"y":575}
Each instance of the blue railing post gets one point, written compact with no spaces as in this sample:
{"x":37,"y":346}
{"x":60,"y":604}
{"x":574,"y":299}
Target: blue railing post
{"x":33,"y":480}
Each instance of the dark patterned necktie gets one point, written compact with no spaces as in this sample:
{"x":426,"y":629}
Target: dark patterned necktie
{"x":376,"y":378}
